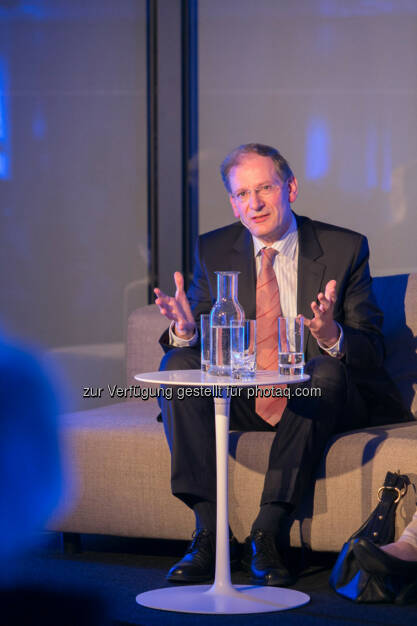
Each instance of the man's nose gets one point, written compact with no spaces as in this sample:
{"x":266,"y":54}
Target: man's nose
{"x":255,"y":201}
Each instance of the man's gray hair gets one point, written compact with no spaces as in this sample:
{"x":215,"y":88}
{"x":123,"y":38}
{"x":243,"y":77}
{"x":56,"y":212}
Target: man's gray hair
{"x":237,"y":155}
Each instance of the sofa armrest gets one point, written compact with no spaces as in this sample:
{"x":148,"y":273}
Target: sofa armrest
{"x":143,"y":352}
{"x":86,"y":371}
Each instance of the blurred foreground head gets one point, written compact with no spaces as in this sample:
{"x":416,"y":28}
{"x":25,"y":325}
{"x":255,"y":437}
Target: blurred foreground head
{"x":30,"y":466}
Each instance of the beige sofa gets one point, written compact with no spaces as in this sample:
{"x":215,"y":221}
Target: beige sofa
{"x":121,"y":462}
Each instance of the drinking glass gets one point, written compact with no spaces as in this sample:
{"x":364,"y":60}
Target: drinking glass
{"x":243,"y":349}
{"x":290,"y":345}
{"x":205,"y":341}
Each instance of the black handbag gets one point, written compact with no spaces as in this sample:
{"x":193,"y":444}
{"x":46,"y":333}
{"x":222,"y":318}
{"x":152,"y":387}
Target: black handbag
{"x":347,"y":579}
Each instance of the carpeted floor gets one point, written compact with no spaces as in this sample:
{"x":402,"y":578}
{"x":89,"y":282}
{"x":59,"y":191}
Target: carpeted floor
{"x":120,"y":569}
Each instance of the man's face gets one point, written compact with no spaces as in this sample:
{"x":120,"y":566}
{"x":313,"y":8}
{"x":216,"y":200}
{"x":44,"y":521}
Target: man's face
{"x":260,"y":199}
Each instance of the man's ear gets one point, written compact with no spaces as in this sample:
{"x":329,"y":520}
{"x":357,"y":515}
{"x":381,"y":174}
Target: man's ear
{"x":292,"y":189}
{"x":234,"y":206}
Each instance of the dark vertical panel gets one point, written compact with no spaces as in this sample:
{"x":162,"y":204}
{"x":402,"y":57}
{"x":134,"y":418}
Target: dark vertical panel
{"x":152,"y":114}
{"x":169,"y":142}
{"x":172,"y":140}
{"x":190,"y":133}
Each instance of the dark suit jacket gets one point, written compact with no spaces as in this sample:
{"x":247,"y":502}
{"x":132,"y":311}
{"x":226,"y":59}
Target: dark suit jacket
{"x":326,"y":252}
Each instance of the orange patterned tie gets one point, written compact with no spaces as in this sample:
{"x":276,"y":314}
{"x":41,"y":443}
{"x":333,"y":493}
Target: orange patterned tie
{"x":268,"y":309}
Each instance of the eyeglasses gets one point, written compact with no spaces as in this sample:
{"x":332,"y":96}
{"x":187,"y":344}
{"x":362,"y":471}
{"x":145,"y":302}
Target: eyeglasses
{"x":263,"y":191}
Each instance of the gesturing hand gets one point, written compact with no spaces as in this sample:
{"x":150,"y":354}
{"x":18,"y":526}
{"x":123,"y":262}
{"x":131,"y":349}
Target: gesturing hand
{"x":177,"y":308}
{"x":322,"y":326}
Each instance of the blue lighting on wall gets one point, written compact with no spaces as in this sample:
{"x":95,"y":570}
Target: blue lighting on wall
{"x":3,"y":166}
{"x":4,"y":124}
{"x":39,"y":125}
{"x":378,"y":159}
{"x":386,"y":161}
{"x":317,"y":149}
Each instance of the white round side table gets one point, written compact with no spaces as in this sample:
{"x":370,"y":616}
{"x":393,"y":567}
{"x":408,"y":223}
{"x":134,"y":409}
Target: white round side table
{"x":221,"y":597}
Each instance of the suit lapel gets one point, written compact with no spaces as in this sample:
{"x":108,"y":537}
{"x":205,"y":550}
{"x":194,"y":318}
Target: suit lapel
{"x":243,"y":261}
{"x":310,"y":270}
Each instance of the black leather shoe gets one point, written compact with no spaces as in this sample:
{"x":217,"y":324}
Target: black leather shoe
{"x":262,"y":560}
{"x":199,"y":561}
{"x":375,"y":561}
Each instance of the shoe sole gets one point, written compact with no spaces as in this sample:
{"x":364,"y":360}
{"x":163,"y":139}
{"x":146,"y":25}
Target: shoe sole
{"x":234,"y":565}
{"x":284,"y":582}
{"x":194,"y":579}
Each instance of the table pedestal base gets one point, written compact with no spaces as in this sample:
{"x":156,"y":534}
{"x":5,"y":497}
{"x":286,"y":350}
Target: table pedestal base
{"x":236,"y":599}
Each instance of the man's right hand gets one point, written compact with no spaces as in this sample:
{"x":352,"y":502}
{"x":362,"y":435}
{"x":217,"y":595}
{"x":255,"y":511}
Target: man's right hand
{"x":177,"y":308}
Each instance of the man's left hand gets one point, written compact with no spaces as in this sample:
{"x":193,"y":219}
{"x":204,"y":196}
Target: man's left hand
{"x":322,"y":326}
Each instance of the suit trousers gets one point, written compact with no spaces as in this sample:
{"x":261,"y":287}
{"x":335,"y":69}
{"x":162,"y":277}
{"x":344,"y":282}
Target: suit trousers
{"x":308,"y":421}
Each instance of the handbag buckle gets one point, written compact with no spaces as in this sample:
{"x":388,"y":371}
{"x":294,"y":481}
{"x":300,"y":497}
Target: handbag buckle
{"x":399,"y":492}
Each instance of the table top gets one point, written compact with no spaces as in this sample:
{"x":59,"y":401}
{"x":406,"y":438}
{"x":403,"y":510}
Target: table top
{"x":203,"y":379}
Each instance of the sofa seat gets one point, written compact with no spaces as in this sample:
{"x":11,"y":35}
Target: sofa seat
{"x":122,"y":480}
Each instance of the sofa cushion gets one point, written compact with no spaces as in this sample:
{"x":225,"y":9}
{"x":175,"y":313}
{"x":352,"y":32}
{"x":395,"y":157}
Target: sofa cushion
{"x":397,"y":297}
{"x":121,"y":465}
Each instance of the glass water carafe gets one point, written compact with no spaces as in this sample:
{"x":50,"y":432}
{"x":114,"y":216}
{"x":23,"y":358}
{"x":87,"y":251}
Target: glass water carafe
{"x":225,"y":311}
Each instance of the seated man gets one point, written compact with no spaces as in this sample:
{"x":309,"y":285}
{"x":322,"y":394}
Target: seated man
{"x":288,"y":265}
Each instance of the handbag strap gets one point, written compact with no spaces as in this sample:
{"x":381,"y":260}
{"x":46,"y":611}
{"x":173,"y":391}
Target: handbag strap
{"x":380,"y":525}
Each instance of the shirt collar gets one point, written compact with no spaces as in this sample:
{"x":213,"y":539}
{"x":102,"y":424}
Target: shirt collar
{"x":286,"y":246}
